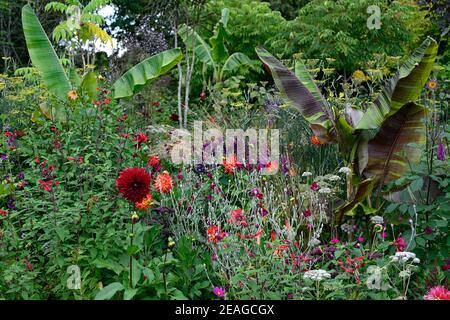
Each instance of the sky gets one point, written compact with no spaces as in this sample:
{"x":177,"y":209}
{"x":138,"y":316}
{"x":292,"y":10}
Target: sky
{"x":108,"y":13}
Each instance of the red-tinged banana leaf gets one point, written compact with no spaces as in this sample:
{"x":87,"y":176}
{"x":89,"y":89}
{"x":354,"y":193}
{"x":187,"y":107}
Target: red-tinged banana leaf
{"x":417,"y":192}
{"x":397,"y":144}
{"x":302,"y":93}
{"x":363,"y":190}
{"x":404,"y":87}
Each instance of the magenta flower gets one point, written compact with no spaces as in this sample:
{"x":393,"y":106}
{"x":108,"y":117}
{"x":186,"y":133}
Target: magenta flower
{"x":360,"y":239}
{"x":437,"y":293}
{"x":218,"y":291}
{"x":314,"y":186}
{"x":307,"y":213}
{"x":400,"y":244}
{"x":440,"y":152}
{"x":334,"y":241}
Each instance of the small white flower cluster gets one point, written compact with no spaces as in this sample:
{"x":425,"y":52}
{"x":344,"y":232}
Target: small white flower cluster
{"x":306,"y":174}
{"x":377,"y":220}
{"x":345,"y":170}
{"x":404,"y":257}
{"x":317,"y":275}
{"x":334,"y":178}
{"x":325,"y":190}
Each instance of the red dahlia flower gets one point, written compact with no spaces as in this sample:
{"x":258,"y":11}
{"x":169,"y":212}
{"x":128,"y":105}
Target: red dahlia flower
{"x":163,"y":182}
{"x":133,"y":184}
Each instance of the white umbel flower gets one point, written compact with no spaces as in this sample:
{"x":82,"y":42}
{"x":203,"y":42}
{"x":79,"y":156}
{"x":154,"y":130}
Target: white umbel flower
{"x":377,"y":220}
{"x":325,"y":190}
{"x":306,"y":174}
{"x":403,"y":256}
{"x":345,"y":170}
{"x":317,"y":275}
{"x":334,"y":178}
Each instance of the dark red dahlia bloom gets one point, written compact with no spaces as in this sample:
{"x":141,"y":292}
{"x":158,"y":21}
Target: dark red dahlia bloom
{"x":134,"y":184}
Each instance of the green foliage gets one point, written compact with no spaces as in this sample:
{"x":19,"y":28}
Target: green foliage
{"x":43,"y":55}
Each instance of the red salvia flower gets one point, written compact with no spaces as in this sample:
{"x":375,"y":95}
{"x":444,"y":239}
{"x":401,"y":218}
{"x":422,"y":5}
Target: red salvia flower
{"x":133,"y":184}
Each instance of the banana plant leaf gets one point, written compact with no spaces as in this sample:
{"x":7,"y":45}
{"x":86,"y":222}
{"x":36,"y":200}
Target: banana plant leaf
{"x":415,"y":193}
{"x":43,"y":55}
{"x":142,"y":73}
{"x":89,"y":85}
{"x":217,"y":41}
{"x":235,"y":61}
{"x":404,"y":87}
{"x":364,"y":189}
{"x":195,"y":43}
{"x":397,"y":144}
{"x":302,"y":93}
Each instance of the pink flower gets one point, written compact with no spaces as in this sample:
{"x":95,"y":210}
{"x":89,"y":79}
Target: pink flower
{"x":400,"y":244}
{"x":314,"y":186}
{"x":334,"y":241}
{"x":360,"y":239}
{"x":437,"y":293}
{"x":218,"y":291}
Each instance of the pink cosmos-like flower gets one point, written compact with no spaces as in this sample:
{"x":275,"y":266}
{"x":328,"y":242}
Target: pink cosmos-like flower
{"x":437,"y":293}
{"x":218,"y":291}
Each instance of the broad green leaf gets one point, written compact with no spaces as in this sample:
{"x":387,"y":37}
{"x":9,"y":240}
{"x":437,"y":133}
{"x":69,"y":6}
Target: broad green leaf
{"x":142,"y":73}
{"x":74,"y":77}
{"x":395,"y":146}
{"x":89,"y":85}
{"x":235,"y":61}
{"x":43,"y":55}
{"x":109,"y":291}
{"x":404,"y":87}
{"x":313,"y":107}
{"x":217,"y":41}
{"x":195,"y":43}
{"x":363,"y":190}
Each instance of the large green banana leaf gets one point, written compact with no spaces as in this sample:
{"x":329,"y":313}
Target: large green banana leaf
{"x":363,"y":190}
{"x":235,"y":61}
{"x":195,"y":43}
{"x":302,"y":93}
{"x":217,"y":41}
{"x":397,"y":144}
{"x":404,"y":87}
{"x":149,"y":69}
{"x":43,"y":54}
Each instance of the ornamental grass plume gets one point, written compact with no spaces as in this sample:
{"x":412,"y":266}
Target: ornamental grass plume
{"x":134,"y":184}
